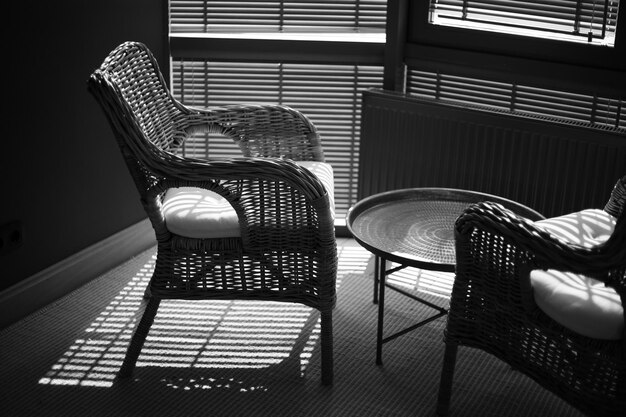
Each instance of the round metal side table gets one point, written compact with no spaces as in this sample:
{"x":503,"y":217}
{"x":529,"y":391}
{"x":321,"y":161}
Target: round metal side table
{"x":414,"y":228}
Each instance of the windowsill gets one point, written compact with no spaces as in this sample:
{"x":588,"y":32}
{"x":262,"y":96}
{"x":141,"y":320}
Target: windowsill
{"x":532,"y":33}
{"x":356,"y":37}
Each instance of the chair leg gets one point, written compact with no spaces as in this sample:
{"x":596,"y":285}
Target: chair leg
{"x":138,"y":339}
{"x":447,"y":374}
{"x":327,"y":347}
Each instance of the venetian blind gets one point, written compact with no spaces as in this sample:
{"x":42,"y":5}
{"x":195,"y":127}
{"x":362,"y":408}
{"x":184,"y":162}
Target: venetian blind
{"x":558,"y":105}
{"x":272,"y":16}
{"x":329,"y":93}
{"x":591,"y":20}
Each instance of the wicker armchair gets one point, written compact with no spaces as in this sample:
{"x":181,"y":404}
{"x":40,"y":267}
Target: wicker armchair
{"x":495,"y":304}
{"x":281,"y":246}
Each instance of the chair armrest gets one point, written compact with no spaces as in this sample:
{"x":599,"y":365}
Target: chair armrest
{"x":544,"y":249}
{"x":261,"y":130}
{"x":244,"y":169}
{"x":271,"y":196}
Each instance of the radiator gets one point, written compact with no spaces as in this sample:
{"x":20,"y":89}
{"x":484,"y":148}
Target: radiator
{"x":553,"y":168}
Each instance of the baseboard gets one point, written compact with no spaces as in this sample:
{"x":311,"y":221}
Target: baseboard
{"x":44,"y":287}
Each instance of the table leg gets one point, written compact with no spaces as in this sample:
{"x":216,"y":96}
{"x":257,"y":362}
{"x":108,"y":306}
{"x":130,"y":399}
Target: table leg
{"x":376,"y":272}
{"x":382,"y":264}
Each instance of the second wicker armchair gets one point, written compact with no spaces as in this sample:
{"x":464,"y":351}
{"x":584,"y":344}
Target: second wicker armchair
{"x":547,"y":298}
{"x":256,"y":227}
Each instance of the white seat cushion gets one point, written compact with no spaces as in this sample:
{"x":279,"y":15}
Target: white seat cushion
{"x":580,"y":303}
{"x":200,"y":213}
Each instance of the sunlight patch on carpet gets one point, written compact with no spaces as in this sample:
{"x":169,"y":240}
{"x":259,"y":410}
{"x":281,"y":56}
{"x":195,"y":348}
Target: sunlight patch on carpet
{"x":435,"y":283}
{"x":228,"y":334}
{"x":203,"y":334}
{"x":206,"y":383}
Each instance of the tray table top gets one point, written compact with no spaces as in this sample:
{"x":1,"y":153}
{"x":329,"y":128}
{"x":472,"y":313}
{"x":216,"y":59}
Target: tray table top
{"x":415,"y":226}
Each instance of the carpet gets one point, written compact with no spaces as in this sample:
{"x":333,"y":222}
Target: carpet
{"x":236,"y":358}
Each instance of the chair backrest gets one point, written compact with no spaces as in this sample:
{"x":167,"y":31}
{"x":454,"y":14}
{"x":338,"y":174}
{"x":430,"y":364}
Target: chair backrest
{"x":134,"y":95}
{"x":145,"y":118}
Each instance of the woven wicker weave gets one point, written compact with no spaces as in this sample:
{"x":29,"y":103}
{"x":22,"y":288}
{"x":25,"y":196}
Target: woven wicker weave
{"x":492,"y":306}
{"x":287,"y":249}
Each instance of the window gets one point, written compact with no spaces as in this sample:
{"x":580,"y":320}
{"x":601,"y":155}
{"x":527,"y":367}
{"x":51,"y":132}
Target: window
{"x":316,"y":57}
{"x":591,"y":21}
{"x":572,"y":32}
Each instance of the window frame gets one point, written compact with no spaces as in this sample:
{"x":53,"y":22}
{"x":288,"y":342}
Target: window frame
{"x":553,"y":18}
{"x":541,"y":62}
{"x":420,"y":31}
{"x":219,"y":48}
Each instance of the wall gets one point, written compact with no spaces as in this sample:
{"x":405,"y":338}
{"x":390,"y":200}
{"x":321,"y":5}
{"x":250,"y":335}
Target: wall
{"x":62,"y":175}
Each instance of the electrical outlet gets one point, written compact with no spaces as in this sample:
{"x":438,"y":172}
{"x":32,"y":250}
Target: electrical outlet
{"x":11,"y":236}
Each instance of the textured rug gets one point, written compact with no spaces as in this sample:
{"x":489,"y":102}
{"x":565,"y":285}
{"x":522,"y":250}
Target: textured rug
{"x":249,"y":358}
